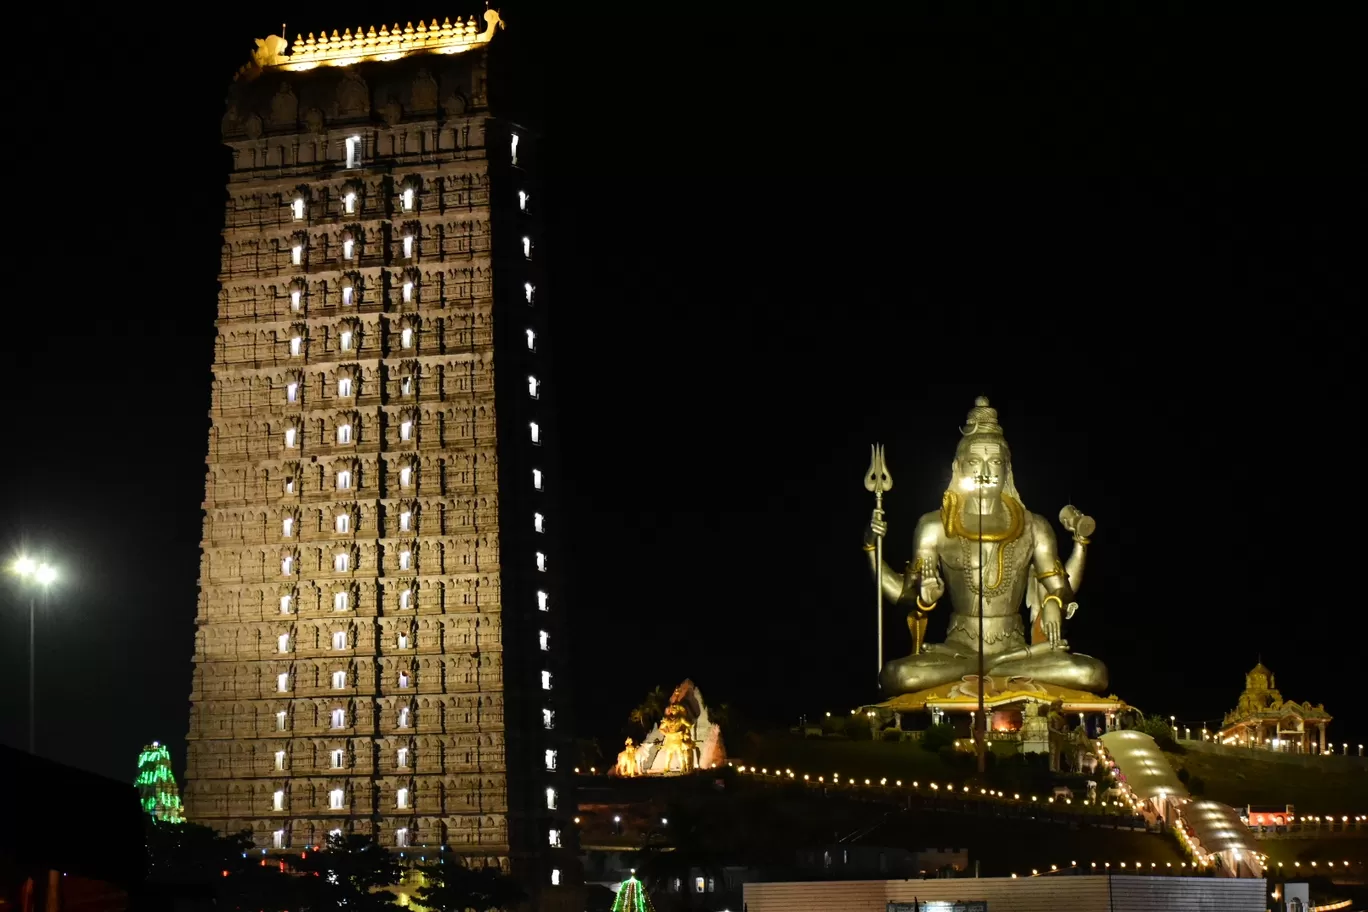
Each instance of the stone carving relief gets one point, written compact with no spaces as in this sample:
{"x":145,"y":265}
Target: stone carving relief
{"x":284,"y":106}
{"x":252,"y":126}
{"x":423,"y":93}
{"x":314,"y":120}
{"x":392,"y":112}
{"x":455,"y":104}
{"x":353,"y":97}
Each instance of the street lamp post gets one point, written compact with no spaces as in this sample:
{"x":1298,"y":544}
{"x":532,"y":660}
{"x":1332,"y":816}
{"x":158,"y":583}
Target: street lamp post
{"x":43,"y":575}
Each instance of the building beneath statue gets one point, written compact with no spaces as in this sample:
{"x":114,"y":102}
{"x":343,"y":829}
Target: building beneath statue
{"x":684,"y":740}
{"x":1263,"y":719}
{"x":1023,"y":716}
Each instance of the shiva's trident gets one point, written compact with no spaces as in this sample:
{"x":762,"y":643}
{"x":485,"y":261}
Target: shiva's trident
{"x":878,"y":480}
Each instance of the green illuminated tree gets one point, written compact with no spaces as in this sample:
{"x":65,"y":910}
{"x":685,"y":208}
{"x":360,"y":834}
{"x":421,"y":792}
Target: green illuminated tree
{"x":632,"y":897}
{"x":157,"y":786}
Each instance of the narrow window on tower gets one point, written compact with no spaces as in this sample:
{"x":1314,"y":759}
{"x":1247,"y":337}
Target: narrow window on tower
{"x":527,"y":247}
{"x":336,"y":800}
{"x":555,"y":877}
{"x":280,"y":760}
{"x":403,"y":640}
{"x":406,"y":599}
{"x":513,"y":149}
{"x":292,"y":392}
{"x":297,"y":208}
{"x":544,"y":639}
{"x":281,"y":720}
{"x":541,"y":562}
{"x":349,"y":202}
{"x":408,"y":292}
{"x":287,"y":565}
{"x":348,"y":248}
{"x":353,"y":151}
{"x":344,"y":386}
{"x":278,"y":838}
{"x":344,"y":340}
{"x":285,"y":601}
{"x":533,"y":387}
{"x":405,"y":476}
{"x":290,"y":485}
{"x":339,"y":680}
{"x":339,"y":718}
{"x":344,"y":433}
{"x":291,"y":437}
{"x":406,"y":521}
{"x":342,"y":562}
{"x":297,"y":254}
{"x":339,"y":639}
{"x":287,"y":526}
{"x":549,"y":719}
{"x":531,"y":340}
{"x":296,"y":346}
{"x":406,"y":386}
{"x":294,"y":299}
{"x":550,"y":798}
{"x":529,"y":290}
{"x":403,"y":717}
{"x":343,"y":522}
{"x":543,"y":600}
{"x":344,"y":480}
{"x":551,"y":760}
{"x":553,"y":836}
{"x":341,"y":602}
{"x":401,"y":797}
{"x":538,"y":522}
{"x":338,"y":756}
{"x":401,"y":837}
{"x":406,"y":430}
{"x":406,"y":199}
{"x":408,"y":246}
{"x":278,"y":801}
{"x":283,"y":682}
{"x":406,"y":559}
{"x":522,"y":200}
{"x":403,"y":680}
{"x":346,"y":294}
{"x":406,"y":337}
{"x":283,"y":642}
{"x":546,"y":680}
{"x":401,"y":758}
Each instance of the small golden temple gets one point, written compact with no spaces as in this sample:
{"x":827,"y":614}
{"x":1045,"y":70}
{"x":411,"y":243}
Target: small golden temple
{"x":1262,"y":718}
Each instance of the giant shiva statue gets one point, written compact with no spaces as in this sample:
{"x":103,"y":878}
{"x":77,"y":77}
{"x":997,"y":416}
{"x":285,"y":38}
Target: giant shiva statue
{"x":982,"y":518}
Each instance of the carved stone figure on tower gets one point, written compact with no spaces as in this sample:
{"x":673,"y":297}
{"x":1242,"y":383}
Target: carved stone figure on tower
{"x":982,"y":519}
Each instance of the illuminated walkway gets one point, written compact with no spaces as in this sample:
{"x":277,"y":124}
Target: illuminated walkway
{"x":1211,"y":832}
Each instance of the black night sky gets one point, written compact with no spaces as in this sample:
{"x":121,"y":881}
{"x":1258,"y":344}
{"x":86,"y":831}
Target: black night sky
{"x":773,"y":241}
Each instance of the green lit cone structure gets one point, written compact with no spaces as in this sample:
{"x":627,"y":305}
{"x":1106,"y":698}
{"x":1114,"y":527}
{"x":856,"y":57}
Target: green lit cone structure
{"x":157,"y":786}
{"x":632,"y":897}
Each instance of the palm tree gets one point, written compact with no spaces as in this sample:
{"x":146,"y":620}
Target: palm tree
{"x":650,"y":710}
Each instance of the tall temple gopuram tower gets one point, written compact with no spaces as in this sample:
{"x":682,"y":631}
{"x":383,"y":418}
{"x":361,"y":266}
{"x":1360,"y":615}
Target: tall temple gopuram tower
{"x":380,"y":647}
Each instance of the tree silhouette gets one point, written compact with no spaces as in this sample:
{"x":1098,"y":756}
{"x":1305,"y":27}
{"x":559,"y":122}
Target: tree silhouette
{"x":348,"y":873}
{"x":453,"y":888}
{"x":650,"y":710}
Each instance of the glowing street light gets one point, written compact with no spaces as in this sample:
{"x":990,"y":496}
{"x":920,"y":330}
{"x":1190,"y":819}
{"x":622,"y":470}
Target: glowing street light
{"x":42,"y":575}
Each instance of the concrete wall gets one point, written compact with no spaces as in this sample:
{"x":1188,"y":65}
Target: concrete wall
{"x":1030,"y":894}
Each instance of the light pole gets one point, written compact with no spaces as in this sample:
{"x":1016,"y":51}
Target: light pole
{"x":31,"y":572}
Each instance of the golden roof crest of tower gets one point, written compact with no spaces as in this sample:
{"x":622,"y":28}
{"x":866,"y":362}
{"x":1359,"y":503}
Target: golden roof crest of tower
{"x":386,"y":43}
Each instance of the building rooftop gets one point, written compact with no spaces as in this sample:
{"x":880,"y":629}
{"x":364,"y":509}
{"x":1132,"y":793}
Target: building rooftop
{"x":387,"y":43}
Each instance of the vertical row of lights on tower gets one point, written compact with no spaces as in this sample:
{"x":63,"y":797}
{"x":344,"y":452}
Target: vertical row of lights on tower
{"x":535,"y":432}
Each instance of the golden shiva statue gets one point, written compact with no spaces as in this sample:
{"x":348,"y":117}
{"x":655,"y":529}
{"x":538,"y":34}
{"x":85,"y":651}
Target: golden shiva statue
{"x":1020,"y":560}
{"x":627,"y":763}
{"x":678,"y":744}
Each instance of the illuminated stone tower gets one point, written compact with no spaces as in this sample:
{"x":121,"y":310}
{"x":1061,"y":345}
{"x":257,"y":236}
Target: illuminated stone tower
{"x":380,"y":645}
